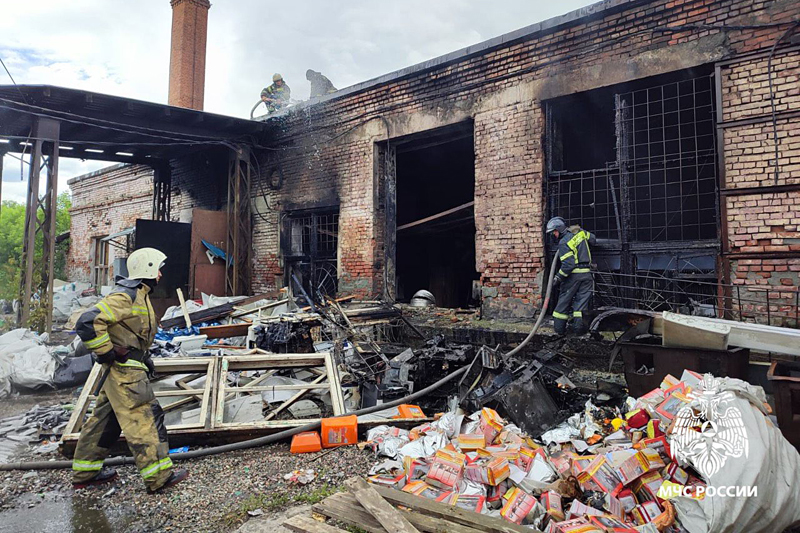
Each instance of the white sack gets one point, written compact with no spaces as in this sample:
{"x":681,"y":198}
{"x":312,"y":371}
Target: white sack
{"x":772,"y":465}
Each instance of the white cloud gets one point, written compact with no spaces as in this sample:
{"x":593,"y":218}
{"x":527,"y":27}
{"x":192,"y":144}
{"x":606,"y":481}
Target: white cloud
{"x":122,"y":47}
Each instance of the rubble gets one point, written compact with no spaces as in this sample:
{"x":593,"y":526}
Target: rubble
{"x":609,"y":468}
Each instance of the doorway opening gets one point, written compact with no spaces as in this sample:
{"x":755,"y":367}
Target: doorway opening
{"x":435,"y":177}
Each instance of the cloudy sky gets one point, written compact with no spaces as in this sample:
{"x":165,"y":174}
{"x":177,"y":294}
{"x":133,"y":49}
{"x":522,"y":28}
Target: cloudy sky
{"x":121,"y":47}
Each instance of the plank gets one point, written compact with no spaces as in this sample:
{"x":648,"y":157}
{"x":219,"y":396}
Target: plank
{"x":244,"y":312}
{"x":211,"y":375}
{"x":182,"y":392}
{"x":225,"y":330}
{"x":294,"y":398}
{"x":434,"y":217}
{"x":204,"y":315}
{"x":454,"y":514}
{"x":183,"y":309}
{"x":307,"y":386}
{"x":344,"y":507}
{"x":82,"y":405}
{"x":389,"y":517}
{"x":306,"y":524}
{"x":347,"y":512}
{"x":337,"y":400}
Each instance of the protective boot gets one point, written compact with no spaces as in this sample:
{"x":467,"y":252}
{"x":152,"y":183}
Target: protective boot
{"x":104,"y":476}
{"x":175,"y":477}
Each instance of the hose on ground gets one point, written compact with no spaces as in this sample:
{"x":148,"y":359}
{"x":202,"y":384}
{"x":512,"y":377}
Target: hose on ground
{"x":253,"y":443}
{"x":542,"y":312}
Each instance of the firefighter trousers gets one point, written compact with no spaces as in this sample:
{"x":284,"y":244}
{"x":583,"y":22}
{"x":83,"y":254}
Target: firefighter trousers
{"x":573,"y":301}
{"x":126,"y":404}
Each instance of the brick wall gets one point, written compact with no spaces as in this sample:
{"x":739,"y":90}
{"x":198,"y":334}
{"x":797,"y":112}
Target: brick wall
{"x":762,"y":244}
{"x":326,"y":150}
{"x":105,"y":202}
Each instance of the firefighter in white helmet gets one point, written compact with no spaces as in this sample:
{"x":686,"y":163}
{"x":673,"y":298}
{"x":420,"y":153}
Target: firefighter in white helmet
{"x":119,"y":330}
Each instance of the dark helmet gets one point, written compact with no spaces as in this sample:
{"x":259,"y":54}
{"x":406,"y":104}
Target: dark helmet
{"x":556,"y":223}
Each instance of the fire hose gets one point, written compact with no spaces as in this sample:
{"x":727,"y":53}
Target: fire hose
{"x":545,"y":304}
{"x":276,"y":437}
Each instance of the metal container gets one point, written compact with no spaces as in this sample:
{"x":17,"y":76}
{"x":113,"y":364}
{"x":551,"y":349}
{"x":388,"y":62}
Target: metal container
{"x":661,"y":360}
{"x":785,"y":378}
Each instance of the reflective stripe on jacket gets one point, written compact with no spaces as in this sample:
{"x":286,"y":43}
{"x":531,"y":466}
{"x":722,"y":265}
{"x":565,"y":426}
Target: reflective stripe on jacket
{"x":574,"y":251}
{"x":282,"y":93}
{"x":124,"y":318}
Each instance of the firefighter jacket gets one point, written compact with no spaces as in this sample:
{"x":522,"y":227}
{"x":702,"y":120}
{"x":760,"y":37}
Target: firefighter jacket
{"x":574,"y":252}
{"x":124,"y":318}
{"x":282,"y":93}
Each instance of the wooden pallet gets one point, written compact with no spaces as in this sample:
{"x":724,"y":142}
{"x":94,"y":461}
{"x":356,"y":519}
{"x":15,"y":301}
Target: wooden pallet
{"x":377,"y":509}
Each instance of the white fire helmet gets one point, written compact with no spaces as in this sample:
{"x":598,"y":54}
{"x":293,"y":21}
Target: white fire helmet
{"x":145,"y":263}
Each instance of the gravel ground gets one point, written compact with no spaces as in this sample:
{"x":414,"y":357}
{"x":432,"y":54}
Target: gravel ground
{"x":216,"y":496}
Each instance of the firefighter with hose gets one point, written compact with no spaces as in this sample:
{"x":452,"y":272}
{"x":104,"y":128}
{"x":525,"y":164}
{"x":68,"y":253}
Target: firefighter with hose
{"x":574,"y":278}
{"x":119,"y":330}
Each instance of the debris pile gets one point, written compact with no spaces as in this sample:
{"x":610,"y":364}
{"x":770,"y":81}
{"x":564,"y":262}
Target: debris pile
{"x":608,"y":468}
{"x":37,"y":425}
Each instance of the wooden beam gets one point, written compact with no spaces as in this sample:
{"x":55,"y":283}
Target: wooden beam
{"x":306,"y":524}
{"x":296,"y":397}
{"x":183,"y":309}
{"x":226,"y":330}
{"x":344,"y":507}
{"x":81,"y":406}
{"x":389,"y":517}
{"x":437,"y":215}
{"x":454,"y":514}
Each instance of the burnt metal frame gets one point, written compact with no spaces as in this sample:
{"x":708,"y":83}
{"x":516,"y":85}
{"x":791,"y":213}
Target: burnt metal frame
{"x":237,"y":273}
{"x":162,"y":192}
{"x":314,"y":222}
{"x":615,"y":197}
{"x":46,"y":134}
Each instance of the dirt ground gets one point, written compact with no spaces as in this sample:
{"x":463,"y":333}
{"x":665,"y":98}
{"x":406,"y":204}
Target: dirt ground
{"x":216,"y":497}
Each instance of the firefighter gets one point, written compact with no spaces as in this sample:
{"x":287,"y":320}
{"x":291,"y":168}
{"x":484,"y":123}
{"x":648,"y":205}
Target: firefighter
{"x":277,"y":95}
{"x":119,"y":330}
{"x":573,"y":279}
{"x":320,"y":84}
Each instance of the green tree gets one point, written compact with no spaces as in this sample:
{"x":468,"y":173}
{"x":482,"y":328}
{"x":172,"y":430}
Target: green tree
{"x":12,"y":229}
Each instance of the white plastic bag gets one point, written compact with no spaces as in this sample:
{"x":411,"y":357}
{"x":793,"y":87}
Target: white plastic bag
{"x":771,"y":467}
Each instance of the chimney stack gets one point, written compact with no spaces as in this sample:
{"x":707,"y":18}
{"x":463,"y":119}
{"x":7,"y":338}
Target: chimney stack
{"x":187,"y":60}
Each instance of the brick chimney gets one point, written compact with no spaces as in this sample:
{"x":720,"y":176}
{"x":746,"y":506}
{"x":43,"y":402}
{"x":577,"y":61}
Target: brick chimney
{"x":187,"y":60}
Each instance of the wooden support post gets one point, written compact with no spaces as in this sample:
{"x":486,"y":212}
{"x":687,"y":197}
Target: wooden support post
{"x":183,"y":309}
{"x":389,"y":517}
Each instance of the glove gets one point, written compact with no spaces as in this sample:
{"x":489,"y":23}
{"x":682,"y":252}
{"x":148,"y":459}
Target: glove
{"x":151,"y":367}
{"x":557,"y":282}
{"x":104,"y":359}
{"x":121,"y":353}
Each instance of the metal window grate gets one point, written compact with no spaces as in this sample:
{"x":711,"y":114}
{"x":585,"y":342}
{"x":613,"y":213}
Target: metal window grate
{"x":588,"y":198}
{"x":663,"y":185}
{"x":668,"y":148}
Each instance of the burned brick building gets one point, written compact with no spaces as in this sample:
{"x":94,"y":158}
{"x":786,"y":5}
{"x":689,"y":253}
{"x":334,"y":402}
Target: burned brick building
{"x":670,"y":129}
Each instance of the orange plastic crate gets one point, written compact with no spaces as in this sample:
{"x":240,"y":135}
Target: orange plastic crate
{"x":339,"y":431}
{"x":410,"y":411}
{"x":306,"y":442}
